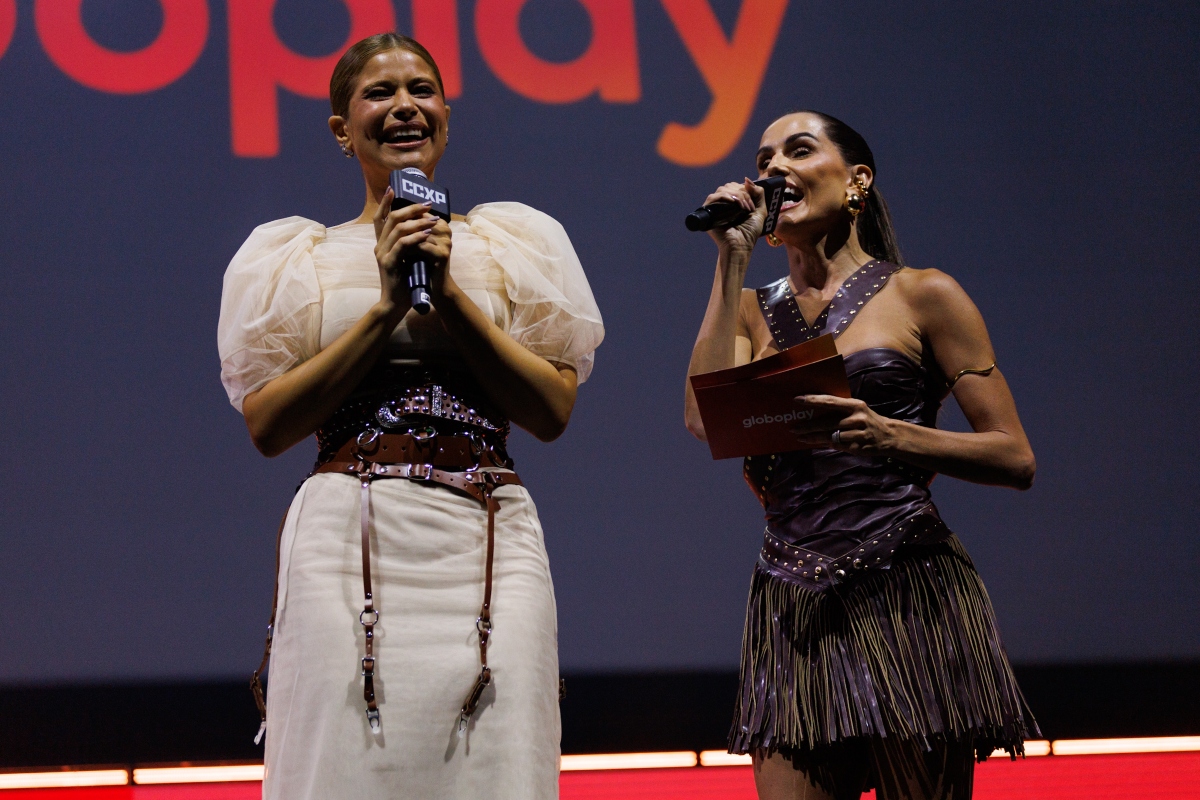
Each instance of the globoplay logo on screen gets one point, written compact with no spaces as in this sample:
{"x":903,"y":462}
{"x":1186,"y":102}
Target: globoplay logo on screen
{"x":260,"y":64}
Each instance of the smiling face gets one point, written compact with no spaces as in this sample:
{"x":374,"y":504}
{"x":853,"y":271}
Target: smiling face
{"x":818,"y":177}
{"x":397,"y":116}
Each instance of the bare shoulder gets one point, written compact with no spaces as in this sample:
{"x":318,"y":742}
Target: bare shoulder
{"x":928,"y":286}
{"x":932,"y":292}
{"x":940,"y":305}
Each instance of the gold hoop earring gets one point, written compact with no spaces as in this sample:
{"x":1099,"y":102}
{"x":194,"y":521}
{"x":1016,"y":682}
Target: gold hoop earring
{"x":773,"y":240}
{"x":856,"y":199}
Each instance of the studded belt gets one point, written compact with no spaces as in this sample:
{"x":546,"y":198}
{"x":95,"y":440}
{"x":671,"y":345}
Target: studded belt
{"x":432,"y":400}
{"x":821,"y":571}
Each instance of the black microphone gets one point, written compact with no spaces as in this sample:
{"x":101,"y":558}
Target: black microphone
{"x":726,"y":214}
{"x":410,"y":186}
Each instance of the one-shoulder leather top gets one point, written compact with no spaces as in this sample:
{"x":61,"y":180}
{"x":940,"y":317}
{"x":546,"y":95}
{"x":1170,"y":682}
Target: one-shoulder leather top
{"x":832,"y":514}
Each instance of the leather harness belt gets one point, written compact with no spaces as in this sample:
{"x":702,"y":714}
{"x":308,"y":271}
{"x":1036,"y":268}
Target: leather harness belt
{"x":447,"y":452}
{"x":457,"y":462}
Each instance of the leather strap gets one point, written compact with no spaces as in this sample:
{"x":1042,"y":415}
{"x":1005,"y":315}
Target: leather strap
{"x":786,"y":323}
{"x":456,"y":452}
{"x":478,"y":485}
{"x":476,"y":482}
{"x":256,"y":686}
{"x":473,"y":483}
{"x":822,"y":571}
{"x":369,"y":616}
{"x":483,"y":623}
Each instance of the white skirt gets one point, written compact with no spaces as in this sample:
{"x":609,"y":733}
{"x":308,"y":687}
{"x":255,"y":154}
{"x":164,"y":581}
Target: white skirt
{"x":427,"y":561}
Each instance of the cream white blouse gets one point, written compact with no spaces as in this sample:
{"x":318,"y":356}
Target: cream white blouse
{"x":295,"y":286}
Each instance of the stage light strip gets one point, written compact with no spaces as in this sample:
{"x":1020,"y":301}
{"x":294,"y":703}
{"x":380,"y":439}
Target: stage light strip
{"x":602,"y":761}
{"x":68,"y":778}
{"x":225,"y":774}
{"x":719,"y":758}
{"x":64,"y":779}
{"x":1157,"y":744}
{"x":1033,"y":747}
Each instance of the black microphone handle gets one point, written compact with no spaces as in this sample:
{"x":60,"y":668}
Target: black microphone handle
{"x":722,"y":213}
{"x":726,"y":213}
{"x":418,"y":282}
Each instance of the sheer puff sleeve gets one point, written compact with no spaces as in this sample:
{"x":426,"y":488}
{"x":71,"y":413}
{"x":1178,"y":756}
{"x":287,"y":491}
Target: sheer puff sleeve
{"x":270,"y":306}
{"x":554,"y":314}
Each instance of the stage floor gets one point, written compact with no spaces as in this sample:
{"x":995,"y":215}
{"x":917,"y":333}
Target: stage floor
{"x":1142,"y":775}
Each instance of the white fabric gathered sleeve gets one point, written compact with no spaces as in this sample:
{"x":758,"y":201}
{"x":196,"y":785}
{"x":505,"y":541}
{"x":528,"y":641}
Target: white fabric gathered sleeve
{"x":554,"y":314}
{"x":270,"y":306}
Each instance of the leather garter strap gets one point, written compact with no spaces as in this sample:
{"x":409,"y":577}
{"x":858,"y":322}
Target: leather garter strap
{"x":456,"y":462}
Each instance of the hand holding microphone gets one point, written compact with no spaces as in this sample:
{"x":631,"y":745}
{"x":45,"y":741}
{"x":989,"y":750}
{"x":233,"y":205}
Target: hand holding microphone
{"x":412,"y":240}
{"x":727,"y":211}
{"x":411,"y":187}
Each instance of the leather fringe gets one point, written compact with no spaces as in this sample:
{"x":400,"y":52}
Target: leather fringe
{"x":911,"y":653}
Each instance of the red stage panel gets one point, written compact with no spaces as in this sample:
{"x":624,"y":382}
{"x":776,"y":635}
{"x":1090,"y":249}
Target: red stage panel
{"x":1145,"y":776}
{"x":695,"y":783}
{"x":1142,"y":776}
{"x":195,"y":791}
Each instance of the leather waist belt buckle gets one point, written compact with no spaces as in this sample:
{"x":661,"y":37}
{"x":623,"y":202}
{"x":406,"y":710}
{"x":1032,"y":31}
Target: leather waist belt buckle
{"x":420,"y":472}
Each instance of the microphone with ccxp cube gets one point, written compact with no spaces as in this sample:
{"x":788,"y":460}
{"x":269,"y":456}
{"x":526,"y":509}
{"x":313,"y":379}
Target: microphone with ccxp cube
{"x":726,"y":214}
{"x":410,"y":186}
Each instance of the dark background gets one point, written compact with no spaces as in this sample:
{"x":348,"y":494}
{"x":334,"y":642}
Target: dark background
{"x":1042,"y":154}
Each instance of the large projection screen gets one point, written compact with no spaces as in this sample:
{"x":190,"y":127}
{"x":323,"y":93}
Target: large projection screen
{"x":1042,"y":154}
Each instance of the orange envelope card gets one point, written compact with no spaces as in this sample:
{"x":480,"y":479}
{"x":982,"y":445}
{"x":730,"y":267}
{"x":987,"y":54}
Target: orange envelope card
{"x":747,"y":410}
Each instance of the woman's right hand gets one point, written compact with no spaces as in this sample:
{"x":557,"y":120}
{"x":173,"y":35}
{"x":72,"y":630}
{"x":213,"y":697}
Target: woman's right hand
{"x":396,"y":234}
{"x":740,"y":237}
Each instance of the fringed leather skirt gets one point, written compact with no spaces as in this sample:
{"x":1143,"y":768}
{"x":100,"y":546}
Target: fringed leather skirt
{"x":908,"y":656}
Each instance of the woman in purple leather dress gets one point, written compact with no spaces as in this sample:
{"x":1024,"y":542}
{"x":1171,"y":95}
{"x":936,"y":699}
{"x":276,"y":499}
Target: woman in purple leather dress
{"x":871,"y":656}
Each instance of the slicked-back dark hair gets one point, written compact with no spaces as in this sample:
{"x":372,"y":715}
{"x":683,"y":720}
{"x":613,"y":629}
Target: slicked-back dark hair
{"x":354,"y":61}
{"x":874,"y":225}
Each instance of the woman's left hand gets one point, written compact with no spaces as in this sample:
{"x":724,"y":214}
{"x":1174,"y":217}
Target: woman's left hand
{"x":859,"y":429}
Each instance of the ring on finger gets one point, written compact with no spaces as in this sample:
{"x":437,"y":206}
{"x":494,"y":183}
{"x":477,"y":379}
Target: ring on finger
{"x":836,"y":438}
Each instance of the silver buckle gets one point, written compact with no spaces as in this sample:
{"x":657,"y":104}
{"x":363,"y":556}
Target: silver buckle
{"x":420,"y":472}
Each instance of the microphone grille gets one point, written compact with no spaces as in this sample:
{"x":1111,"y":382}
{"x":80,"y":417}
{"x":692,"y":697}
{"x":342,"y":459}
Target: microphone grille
{"x":414,"y":171}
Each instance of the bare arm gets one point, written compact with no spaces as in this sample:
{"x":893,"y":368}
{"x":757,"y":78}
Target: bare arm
{"x":724,"y":341}
{"x":997,"y":452}
{"x":288,"y":409}
{"x":529,"y":390}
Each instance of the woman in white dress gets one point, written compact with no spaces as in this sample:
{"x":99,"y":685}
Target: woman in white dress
{"x":424,"y":664}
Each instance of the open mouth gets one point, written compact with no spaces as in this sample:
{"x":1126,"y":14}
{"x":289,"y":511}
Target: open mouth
{"x":406,"y":136}
{"x":791,"y":197}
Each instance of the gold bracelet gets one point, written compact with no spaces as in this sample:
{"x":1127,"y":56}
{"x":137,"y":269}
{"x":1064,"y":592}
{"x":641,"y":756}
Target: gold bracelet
{"x":985,"y":371}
